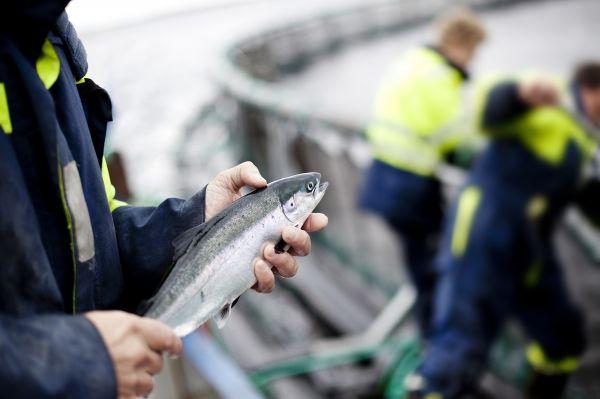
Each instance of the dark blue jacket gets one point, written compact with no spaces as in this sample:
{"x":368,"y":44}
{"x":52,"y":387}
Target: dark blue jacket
{"x":516,"y":167}
{"x":62,"y":250}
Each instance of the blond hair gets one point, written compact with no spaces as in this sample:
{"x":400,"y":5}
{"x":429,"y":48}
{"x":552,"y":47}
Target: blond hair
{"x":460,"y":26}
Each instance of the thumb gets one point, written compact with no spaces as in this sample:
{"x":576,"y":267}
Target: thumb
{"x":246,"y":174}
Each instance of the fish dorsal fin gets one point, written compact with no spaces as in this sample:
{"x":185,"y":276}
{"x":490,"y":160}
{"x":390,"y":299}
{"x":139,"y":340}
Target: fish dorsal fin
{"x":182,"y":242}
{"x":223,"y":315}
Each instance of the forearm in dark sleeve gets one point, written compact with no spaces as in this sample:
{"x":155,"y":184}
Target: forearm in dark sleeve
{"x":54,"y":356}
{"x":145,"y":236}
{"x":503,"y":105}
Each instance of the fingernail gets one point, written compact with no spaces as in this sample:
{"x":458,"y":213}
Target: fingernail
{"x":173,"y":356}
{"x":258,"y":175}
{"x":271,"y":251}
{"x":264,"y":266}
{"x":293,"y":234}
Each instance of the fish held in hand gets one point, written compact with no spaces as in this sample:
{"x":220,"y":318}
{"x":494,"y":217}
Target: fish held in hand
{"x":213,"y":261}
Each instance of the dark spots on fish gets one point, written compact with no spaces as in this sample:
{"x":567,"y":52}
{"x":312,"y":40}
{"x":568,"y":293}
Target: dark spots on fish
{"x":202,"y":296}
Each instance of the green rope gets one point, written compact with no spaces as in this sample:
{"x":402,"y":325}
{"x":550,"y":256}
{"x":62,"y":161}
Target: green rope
{"x":318,"y":361}
{"x":407,"y":360}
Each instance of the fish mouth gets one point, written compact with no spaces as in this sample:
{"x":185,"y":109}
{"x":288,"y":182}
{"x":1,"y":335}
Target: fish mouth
{"x":320,"y":191}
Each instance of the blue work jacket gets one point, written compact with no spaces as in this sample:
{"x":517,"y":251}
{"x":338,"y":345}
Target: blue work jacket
{"x":66,"y":245}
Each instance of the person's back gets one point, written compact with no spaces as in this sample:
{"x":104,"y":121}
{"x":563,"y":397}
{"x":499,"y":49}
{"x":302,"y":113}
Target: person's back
{"x":497,"y":257}
{"x":418,"y":114}
{"x":418,"y":120}
{"x":550,"y":137}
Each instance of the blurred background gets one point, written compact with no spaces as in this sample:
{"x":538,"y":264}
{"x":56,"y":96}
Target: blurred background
{"x":200,"y":85}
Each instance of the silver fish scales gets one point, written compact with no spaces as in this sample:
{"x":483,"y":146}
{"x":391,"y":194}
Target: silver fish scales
{"x":213,"y":264}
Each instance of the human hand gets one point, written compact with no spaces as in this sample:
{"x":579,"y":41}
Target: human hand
{"x":135,"y":345}
{"x":225,"y":188}
{"x":539,"y":93}
{"x":285,"y":263}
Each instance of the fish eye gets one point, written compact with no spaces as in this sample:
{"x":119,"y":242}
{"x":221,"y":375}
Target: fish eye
{"x":310,"y":186}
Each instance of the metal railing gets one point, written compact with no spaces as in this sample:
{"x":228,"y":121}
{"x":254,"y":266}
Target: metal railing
{"x":283,"y":136}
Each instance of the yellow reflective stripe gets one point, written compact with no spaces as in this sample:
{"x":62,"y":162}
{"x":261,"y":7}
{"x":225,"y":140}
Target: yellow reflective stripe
{"x":422,"y":164}
{"x":451,"y":129}
{"x":433,"y":395}
{"x":81,"y":80}
{"x":48,"y":65}
{"x":110,"y":189}
{"x":540,"y":362}
{"x":455,"y":134}
{"x":5,"y":122}
{"x":403,"y":151}
{"x":536,"y":207}
{"x":533,"y":274}
{"x":467,"y":205}
{"x":63,"y":199}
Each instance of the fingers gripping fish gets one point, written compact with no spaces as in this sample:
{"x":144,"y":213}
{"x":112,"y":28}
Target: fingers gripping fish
{"x":213,"y":261}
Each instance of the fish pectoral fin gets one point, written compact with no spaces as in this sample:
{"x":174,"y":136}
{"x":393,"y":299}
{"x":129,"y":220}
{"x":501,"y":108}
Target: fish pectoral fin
{"x":223,"y":315}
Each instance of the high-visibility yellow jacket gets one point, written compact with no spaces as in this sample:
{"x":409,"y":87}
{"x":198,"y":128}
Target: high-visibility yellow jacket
{"x":419,"y":113}
{"x":539,"y":156}
{"x":546,"y":132}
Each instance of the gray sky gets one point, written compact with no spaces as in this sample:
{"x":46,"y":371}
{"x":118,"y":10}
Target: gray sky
{"x":92,"y":15}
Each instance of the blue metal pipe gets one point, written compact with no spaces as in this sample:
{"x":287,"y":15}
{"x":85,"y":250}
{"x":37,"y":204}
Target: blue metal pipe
{"x":217,"y":368}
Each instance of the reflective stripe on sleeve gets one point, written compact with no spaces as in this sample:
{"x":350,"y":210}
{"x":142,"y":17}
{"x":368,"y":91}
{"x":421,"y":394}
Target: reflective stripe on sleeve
{"x":80,"y":217}
{"x":110,"y":189}
{"x":467,"y":206}
{"x":543,"y":364}
{"x":5,"y":122}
